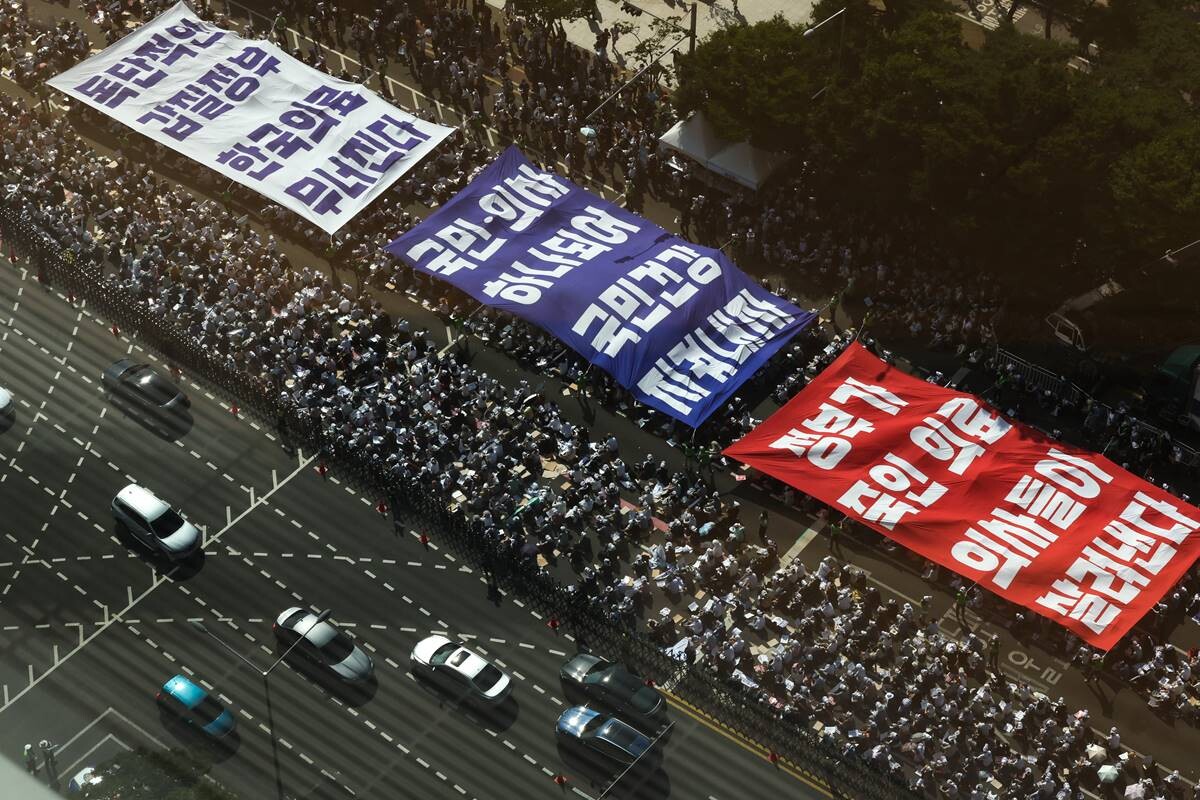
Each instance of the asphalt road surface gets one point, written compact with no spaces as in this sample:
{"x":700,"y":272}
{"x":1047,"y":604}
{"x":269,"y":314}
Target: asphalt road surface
{"x":91,"y":625}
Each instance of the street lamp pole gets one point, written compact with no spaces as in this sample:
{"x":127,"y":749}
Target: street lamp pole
{"x":631,"y":81}
{"x":838,"y":13}
{"x":200,"y":626}
{"x":264,"y":674}
{"x":321,"y":617}
{"x":841,"y":43}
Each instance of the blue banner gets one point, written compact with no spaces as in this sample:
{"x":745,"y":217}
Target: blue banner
{"x":675,"y":323}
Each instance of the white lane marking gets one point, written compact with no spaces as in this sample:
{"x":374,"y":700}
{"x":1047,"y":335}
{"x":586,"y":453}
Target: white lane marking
{"x":158,"y":581}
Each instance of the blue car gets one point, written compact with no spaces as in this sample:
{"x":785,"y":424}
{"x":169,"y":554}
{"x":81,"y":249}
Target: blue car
{"x":604,"y":737}
{"x":195,"y":706}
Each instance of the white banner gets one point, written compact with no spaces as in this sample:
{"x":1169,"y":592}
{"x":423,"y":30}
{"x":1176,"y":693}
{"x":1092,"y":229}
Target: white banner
{"x":323,"y":147}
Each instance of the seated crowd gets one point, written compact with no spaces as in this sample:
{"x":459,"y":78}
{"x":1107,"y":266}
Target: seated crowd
{"x":880,"y":677}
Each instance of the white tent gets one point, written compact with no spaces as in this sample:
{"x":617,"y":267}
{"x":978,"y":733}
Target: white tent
{"x":694,"y":137}
{"x":740,"y":162}
{"x":746,"y":164}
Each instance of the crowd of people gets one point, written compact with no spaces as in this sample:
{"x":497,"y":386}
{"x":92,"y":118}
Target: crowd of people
{"x":31,"y":52}
{"x":879,"y":677}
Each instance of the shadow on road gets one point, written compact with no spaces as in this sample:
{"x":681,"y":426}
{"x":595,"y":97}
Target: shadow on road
{"x":499,"y":718}
{"x":171,"y":570}
{"x":352,"y":694}
{"x":168,"y":427}
{"x":647,"y":782}
{"x":203,"y":748}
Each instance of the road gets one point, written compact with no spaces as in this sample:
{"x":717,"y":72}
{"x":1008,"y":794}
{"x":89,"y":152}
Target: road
{"x":90,"y":626}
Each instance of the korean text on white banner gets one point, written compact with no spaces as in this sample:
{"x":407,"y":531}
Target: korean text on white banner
{"x":675,"y":323}
{"x":322,"y":147}
{"x":1057,"y":529}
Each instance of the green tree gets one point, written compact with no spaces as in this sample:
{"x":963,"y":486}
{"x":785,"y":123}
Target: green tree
{"x":754,"y":82}
{"x":898,"y":12}
{"x":999,"y":155}
{"x":1127,"y":138}
{"x":652,"y":40}
{"x":1072,"y":13}
{"x":1156,"y":190}
{"x":143,"y":774}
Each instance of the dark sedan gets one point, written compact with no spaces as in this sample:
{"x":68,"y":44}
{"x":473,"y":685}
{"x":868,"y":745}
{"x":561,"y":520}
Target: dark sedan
{"x":142,"y":384}
{"x":615,"y":688}
{"x":603,"y":738}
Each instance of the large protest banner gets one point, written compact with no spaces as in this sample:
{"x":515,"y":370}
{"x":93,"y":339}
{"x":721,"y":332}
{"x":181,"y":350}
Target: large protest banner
{"x":323,"y":147}
{"x":676,"y":323}
{"x":1060,"y":530}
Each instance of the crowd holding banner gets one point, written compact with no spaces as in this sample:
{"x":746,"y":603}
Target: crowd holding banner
{"x":322,"y":147}
{"x":1057,"y":529}
{"x":676,"y":323}
{"x":887,"y":683}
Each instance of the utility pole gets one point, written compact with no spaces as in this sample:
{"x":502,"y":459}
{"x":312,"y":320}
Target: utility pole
{"x":692,"y":32}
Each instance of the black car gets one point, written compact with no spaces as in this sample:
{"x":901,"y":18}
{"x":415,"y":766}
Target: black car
{"x":615,"y":688}
{"x":142,"y":384}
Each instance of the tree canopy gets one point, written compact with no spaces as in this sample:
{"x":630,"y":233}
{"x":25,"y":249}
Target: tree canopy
{"x":1003,"y":153}
{"x":143,"y":774}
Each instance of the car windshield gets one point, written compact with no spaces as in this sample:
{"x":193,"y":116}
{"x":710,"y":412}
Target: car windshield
{"x":617,"y":680}
{"x":596,"y":673}
{"x":591,"y":726}
{"x":166,"y":524}
{"x":207,"y":710}
{"x":338,"y":648}
{"x":645,"y":699}
{"x":488,"y":677}
{"x":442,"y":653}
{"x":621,"y":735}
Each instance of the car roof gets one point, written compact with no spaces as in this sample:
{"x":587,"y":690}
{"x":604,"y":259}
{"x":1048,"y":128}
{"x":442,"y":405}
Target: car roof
{"x":575,"y":719}
{"x":623,"y":736}
{"x":319,"y":633}
{"x":581,"y":665}
{"x":466,"y":662}
{"x":143,"y":501}
{"x":617,"y":677}
{"x":119,"y":366}
{"x":183,"y":690}
{"x":147,"y":376}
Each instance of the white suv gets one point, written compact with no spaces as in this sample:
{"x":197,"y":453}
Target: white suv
{"x":155,"y":523}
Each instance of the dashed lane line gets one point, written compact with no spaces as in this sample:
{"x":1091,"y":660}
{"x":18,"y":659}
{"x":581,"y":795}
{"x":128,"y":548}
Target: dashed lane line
{"x":158,"y":581}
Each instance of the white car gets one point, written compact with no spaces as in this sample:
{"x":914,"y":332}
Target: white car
{"x":84,"y":778}
{"x":461,"y":672}
{"x":6,"y":401}
{"x":323,"y":644}
{"x":155,"y":523}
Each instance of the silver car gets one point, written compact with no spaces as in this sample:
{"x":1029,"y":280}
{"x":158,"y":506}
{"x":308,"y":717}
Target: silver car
{"x":6,"y":402}
{"x":155,"y":523}
{"x":323,"y":644}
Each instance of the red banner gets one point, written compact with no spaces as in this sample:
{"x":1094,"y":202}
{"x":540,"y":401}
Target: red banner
{"x":1062,"y":531}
